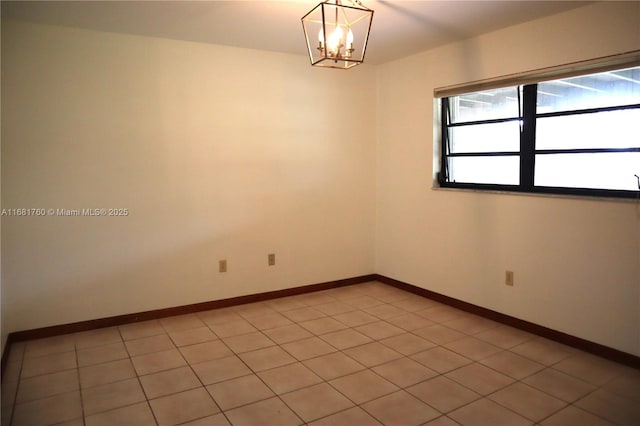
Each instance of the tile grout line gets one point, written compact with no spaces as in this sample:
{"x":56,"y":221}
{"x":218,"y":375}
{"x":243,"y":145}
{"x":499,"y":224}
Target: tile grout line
{"x":15,"y":397}
{"x":472,"y":335}
{"x":198,"y":377}
{"x":479,"y":363}
{"x":550,"y":366}
{"x":188,"y":364}
{"x":80,"y":390}
{"x":366,"y":368}
{"x":153,"y":414}
{"x":279,"y":396}
{"x":521,"y":381}
{"x":324,"y":381}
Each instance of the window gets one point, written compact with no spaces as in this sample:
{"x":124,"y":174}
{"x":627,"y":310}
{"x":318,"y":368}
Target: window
{"x":574,"y":135}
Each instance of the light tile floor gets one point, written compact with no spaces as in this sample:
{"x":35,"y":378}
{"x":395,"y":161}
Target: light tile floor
{"x":367,"y":354}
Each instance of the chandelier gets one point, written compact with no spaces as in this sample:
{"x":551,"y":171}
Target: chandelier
{"x":337,"y":34}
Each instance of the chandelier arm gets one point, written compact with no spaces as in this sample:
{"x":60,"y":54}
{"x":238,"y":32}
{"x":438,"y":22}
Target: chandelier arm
{"x":359,"y":19}
{"x":346,"y":18}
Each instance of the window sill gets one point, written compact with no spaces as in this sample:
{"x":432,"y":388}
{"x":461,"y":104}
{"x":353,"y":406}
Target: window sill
{"x":436,"y":187}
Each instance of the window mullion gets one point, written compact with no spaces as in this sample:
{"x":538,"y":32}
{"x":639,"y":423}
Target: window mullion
{"x":443,"y":176}
{"x":528,"y":136}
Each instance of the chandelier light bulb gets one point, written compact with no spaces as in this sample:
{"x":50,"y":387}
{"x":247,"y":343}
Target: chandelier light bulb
{"x":350,"y":39}
{"x":335,"y":40}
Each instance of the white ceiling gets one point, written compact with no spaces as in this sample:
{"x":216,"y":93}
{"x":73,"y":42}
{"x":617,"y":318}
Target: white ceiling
{"x":399,"y":28}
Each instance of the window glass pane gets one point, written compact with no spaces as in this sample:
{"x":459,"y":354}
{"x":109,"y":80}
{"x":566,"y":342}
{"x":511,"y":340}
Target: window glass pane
{"x":504,"y":170}
{"x":485,"y":105}
{"x":614,"y":88}
{"x":597,"y":171}
{"x":494,"y":137}
{"x":612,"y":129}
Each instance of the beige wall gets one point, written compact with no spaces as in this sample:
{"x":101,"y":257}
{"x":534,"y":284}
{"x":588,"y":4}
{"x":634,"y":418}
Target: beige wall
{"x":576,"y":261}
{"x":217,"y":152}
{"x":229,"y":153}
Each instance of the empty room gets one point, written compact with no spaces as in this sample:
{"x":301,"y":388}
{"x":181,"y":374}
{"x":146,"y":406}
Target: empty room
{"x":343,"y":213}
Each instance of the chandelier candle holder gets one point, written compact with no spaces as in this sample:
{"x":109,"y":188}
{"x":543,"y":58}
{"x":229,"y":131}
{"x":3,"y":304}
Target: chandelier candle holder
{"x":337,"y":34}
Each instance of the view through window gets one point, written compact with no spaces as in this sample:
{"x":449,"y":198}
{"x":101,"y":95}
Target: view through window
{"x":578,"y":135}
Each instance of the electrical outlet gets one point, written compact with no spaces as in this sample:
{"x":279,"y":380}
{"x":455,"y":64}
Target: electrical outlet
{"x":508,"y":278}
{"x":222,"y":265}
{"x":271,"y":259}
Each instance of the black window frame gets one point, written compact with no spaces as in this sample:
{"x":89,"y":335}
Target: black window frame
{"x":528,"y":117}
